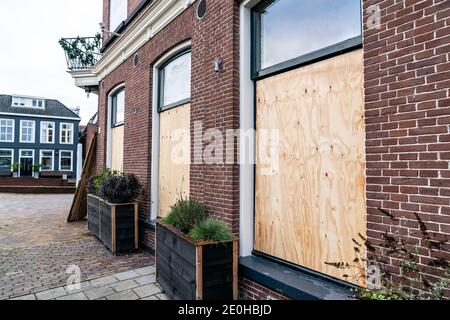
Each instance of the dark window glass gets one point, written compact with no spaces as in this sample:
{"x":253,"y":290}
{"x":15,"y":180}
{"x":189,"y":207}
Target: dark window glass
{"x":287,"y":29}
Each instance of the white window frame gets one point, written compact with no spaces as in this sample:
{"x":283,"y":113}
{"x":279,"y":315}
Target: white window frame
{"x":61,"y":130}
{"x":53,"y":160}
{"x":42,"y":135}
{"x":71,"y":160}
{"x":110,"y":126}
{"x":27,"y":157}
{"x":12,"y":155}
{"x":33,"y":135}
{"x":13,"y":129}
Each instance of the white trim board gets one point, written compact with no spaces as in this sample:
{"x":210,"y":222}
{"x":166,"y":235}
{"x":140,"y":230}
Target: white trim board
{"x":247,"y":121}
{"x":36,"y":116}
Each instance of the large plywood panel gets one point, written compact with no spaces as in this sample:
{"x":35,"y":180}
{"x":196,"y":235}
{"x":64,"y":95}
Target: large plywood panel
{"x":117,"y":148}
{"x":311,"y":206}
{"x":174,"y":157}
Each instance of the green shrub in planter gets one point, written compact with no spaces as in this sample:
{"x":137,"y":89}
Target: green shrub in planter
{"x":120,"y":189}
{"x":95,"y":182}
{"x":112,"y":213}
{"x":211,"y":230}
{"x":197,"y":256}
{"x":186,"y":214}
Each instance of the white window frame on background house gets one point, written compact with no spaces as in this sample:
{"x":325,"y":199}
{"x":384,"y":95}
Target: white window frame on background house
{"x":25,"y":157}
{"x":32,"y":134}
{"x":71,"y":126}
{"x":45,"y":132}
{"x":11,"y":125}
{"x":184,"y":47}
{"x":41,"y":162}
{"x":118,"y":12}
{"x":61,"y":157}
{"x":11,"y":157}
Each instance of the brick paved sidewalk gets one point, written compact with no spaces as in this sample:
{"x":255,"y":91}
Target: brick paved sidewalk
{"x":37,"y":246}
{"x":138,"y":284}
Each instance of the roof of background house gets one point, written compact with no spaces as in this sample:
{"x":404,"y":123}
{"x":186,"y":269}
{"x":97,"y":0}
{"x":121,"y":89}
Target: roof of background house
{"x":53,"y":108}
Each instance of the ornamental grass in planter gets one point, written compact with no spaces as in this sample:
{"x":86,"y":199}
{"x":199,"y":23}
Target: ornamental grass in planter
{"x":112,"y":210}
{"x":196,"y":256}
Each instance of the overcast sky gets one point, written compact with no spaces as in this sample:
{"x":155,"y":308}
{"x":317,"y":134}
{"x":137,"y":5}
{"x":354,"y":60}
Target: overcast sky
{"x":31,"y":60}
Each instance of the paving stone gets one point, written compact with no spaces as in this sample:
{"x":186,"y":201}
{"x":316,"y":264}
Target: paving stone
{"x":84,"y":286}
{"x":104,"y":281}
{"x":151,"y":298}
{"x":28,"y":297}
{"x":74,"y":297}
{"x":126,"y":275}
{"x":146,"y":279}
{"x":162,"y":296}
{"x":51,"y":294}
{"x":37,"y":245}
{"x":101,"y":292}
{"x":124,"y":285}
{"x":147,"y":290}
{"x":124,"y":295}
{"x":146,"y":271}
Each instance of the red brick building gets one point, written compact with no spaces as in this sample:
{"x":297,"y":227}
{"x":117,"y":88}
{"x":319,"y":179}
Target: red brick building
{"x":359,"y":96}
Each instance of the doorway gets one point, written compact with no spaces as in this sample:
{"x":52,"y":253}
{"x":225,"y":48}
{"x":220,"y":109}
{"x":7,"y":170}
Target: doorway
{"x":26,"y":163}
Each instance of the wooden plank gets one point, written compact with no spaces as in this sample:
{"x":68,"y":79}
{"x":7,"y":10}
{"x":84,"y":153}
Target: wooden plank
{"x":199,"y":289}
{"x":78,"y":209}
{"x":113,"y":229}
{"x":136,"y":226}
{"x":311,"y":204}
{"x":235,"y":270}
{"x":175,"y":155}
{"x":117,"y":136}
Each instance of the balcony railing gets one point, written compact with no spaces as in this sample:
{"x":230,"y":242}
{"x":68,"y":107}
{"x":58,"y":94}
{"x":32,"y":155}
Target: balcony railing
{"x":81,"y":53}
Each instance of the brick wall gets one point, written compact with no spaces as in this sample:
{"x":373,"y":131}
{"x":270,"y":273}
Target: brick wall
{"x":132,"y":5}
{"x":215,"y":102}
{"x":138,"y":104}
{"x":250,"y":290}
{"x":407,"y":81}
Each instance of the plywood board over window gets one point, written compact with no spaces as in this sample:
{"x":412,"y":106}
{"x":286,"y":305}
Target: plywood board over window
{"x":175,"y":156}
{"x":311,"y":206}
{"x":117,"y":148}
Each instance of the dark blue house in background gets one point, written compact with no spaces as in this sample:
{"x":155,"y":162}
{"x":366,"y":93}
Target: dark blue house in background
{"x":37,"y":131}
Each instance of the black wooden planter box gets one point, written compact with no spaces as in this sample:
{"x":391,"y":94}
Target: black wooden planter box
{"x":116,"y":225}
{"x":190,"y":270}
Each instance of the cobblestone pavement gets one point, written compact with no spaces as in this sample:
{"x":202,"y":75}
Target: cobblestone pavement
{"x":37,"y":246}
{"x":138,"y":284}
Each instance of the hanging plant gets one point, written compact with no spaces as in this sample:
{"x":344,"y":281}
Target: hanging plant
{"x":81,"y":52}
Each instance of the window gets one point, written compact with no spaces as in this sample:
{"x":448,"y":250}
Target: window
{"x":26,"y":153}
{"x":175,"y":82}
{"x":6,"y":130}
{"x":118,"y":108}
{"x":25,"y":102}
{"x":18,"y":102}
{"x":65,"y":161}
{"x":288,"y":29}
{"x":66,"y":133}
{"x":47,"y":132}
{"x":6,"y":159}
{"x":118,"y":12}
{"x":27,"y":131}
{"x":47,"y":160}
